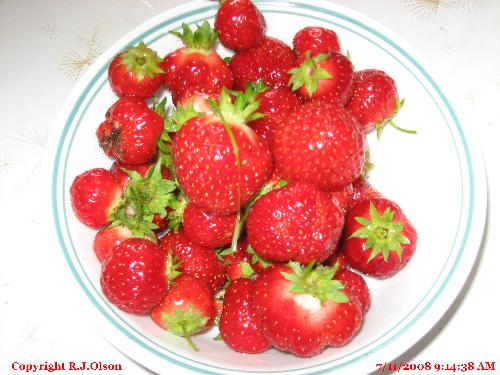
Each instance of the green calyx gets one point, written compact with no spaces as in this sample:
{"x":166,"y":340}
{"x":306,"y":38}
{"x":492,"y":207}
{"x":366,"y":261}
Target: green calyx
{"x":141,"y":60}
{"x":379,"y":127}
{"x":202,"y":39}
{"x":382,"y":234}
{"x":177,"y":204}
{"x":316,"y":281}
{"x":256,"y":258}
{"x":308,"y":74}
{"x":185,"y":323}
{"x":180,"y":116}
{"x":172,"y":267}
{"x":241,"y":111}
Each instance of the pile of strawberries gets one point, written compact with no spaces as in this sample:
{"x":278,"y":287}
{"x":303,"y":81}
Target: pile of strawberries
{"x":247,"y":205}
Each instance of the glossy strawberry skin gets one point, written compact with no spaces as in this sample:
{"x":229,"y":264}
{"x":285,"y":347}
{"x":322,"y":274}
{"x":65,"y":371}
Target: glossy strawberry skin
{"x":185,"y":292}
{"x":130,"y":132}
{"x":94,"y":194}
{"x":117,"y":168}
{"x":189,"y":69}
{"x":108,"y":238}
{"x":275,"y":104}
{"x":239,"y":24}
{"x":356,"y":251}
{"x":307,"y":327}
{"x":133,"y":276}
{"x":233,"y":262}
{"x":343,"y":196}
{"x":319,"y":143}
{"x":297,"y":222}
{"x":356,"y":285}
{"x":207,"y":229}
{"x":125,"y":83}
{"x":316,"y":39}
{"x":239,"y":327}
{"x":195,"y":260}
{"x":206,"y":166}
{"x":336,"y":89}
{"x":374,"y":97}
{"x":270,"y":60}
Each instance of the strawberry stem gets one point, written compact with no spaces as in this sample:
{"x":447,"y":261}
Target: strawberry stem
{"x":188,"y":339}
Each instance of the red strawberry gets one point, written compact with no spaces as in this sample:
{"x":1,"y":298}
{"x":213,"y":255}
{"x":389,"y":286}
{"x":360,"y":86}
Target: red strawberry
{"x":237,"y":263}
{"x":207,"y":229}
{"x":379,"y":240}
{"x":303,"y":310}
{"x":356,"y":285}
{"x":188,"y":308}
{"x":275,"y":104}
{"x":270,"y":60}
{"x":374,"y":100}
{"x":130,"y":132}
{"x":94,"y":196}
{"x":343,"y":196}
{"x":327,"y":76}
{"x":319,"y":143}
{"x":136,"y":72}
{"x":316,"y":39}
{"x":239,"y":327}
{"x":219,"y":161}
{"x":257,"y":263}
{"x":194,"y":260}
{"x":196,"y":66}
{"x":107,"y":239}
{"x":297,"y":222}
{"x":240,"y":24}
{"x":362,"y":191}
{"x":117,"y":168}
{"x":133,"y":276}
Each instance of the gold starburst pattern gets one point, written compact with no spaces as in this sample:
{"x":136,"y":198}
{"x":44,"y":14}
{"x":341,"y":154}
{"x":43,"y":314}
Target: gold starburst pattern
{"x":5,"y":164}
{"x":77,"y":59}
{"x":36,"y":136}
{"x":49,"y":31}
{"x":426,"y":9}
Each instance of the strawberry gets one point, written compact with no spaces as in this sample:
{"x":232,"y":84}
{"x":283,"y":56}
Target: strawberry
{"x":108,"y":238}
{"x":95,"y":194}
{"x":315,"y":39}
{"x":379,"y":240}
{"x":270,"y":60}
{"x":130,"y":131}
{"x":374,"y":101}
{"x":136,"y":72}
{"x":207,"y":229}
{"x":239,"y":24}
{"x":362,"y":190}
{"x":304,"y":310}
{"x":219,"y":161}
{"x":118,"y":169}
{"x":196,"y":66}
{"x":257,"y":263}
{"x":356,"y":285}
{"x":133,"y":276}
{"x":275,"y":104}
{"x":237,"y":263}
{"x":327,"y":76}
{"x":239,"y":327}
{"x":319,"y":143}
{"x":187,"y":309}
{"x":297,"y":222}
{"x":194,"y":260}
{"x":343,"y":196}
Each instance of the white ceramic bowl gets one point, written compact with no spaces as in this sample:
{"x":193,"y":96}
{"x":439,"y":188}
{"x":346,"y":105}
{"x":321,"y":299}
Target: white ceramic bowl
{"x":436,"y":176}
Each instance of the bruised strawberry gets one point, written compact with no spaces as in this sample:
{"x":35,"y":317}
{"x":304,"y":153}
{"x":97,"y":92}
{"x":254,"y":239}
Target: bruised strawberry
{"x":194,"y":260}
{"x":187,"y":309}
{"x":196,"y":66}
{"x":239,"y":24}
{"x":108,"y":238}
{"x":219,"y":161}
{"x":94,"y":196}
{"x":130,"y":132}
{"x":304,"y":310}
{"x":319,"y":143}
{"x":133,"y":276}
{"x":315,"y":39}
{"x":297,"y":222}
{"x":136,"y":72}
{"x":379,"y":240}
{"x":207,"y":229}
{"x":270,"y":60}
{"x":327,"y":76}
{"x":239,"y":327}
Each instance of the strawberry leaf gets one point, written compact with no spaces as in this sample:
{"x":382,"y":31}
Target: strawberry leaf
{"x":308,"y":74}
{"x":203,"y":38}
{"x":141,"y":60}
